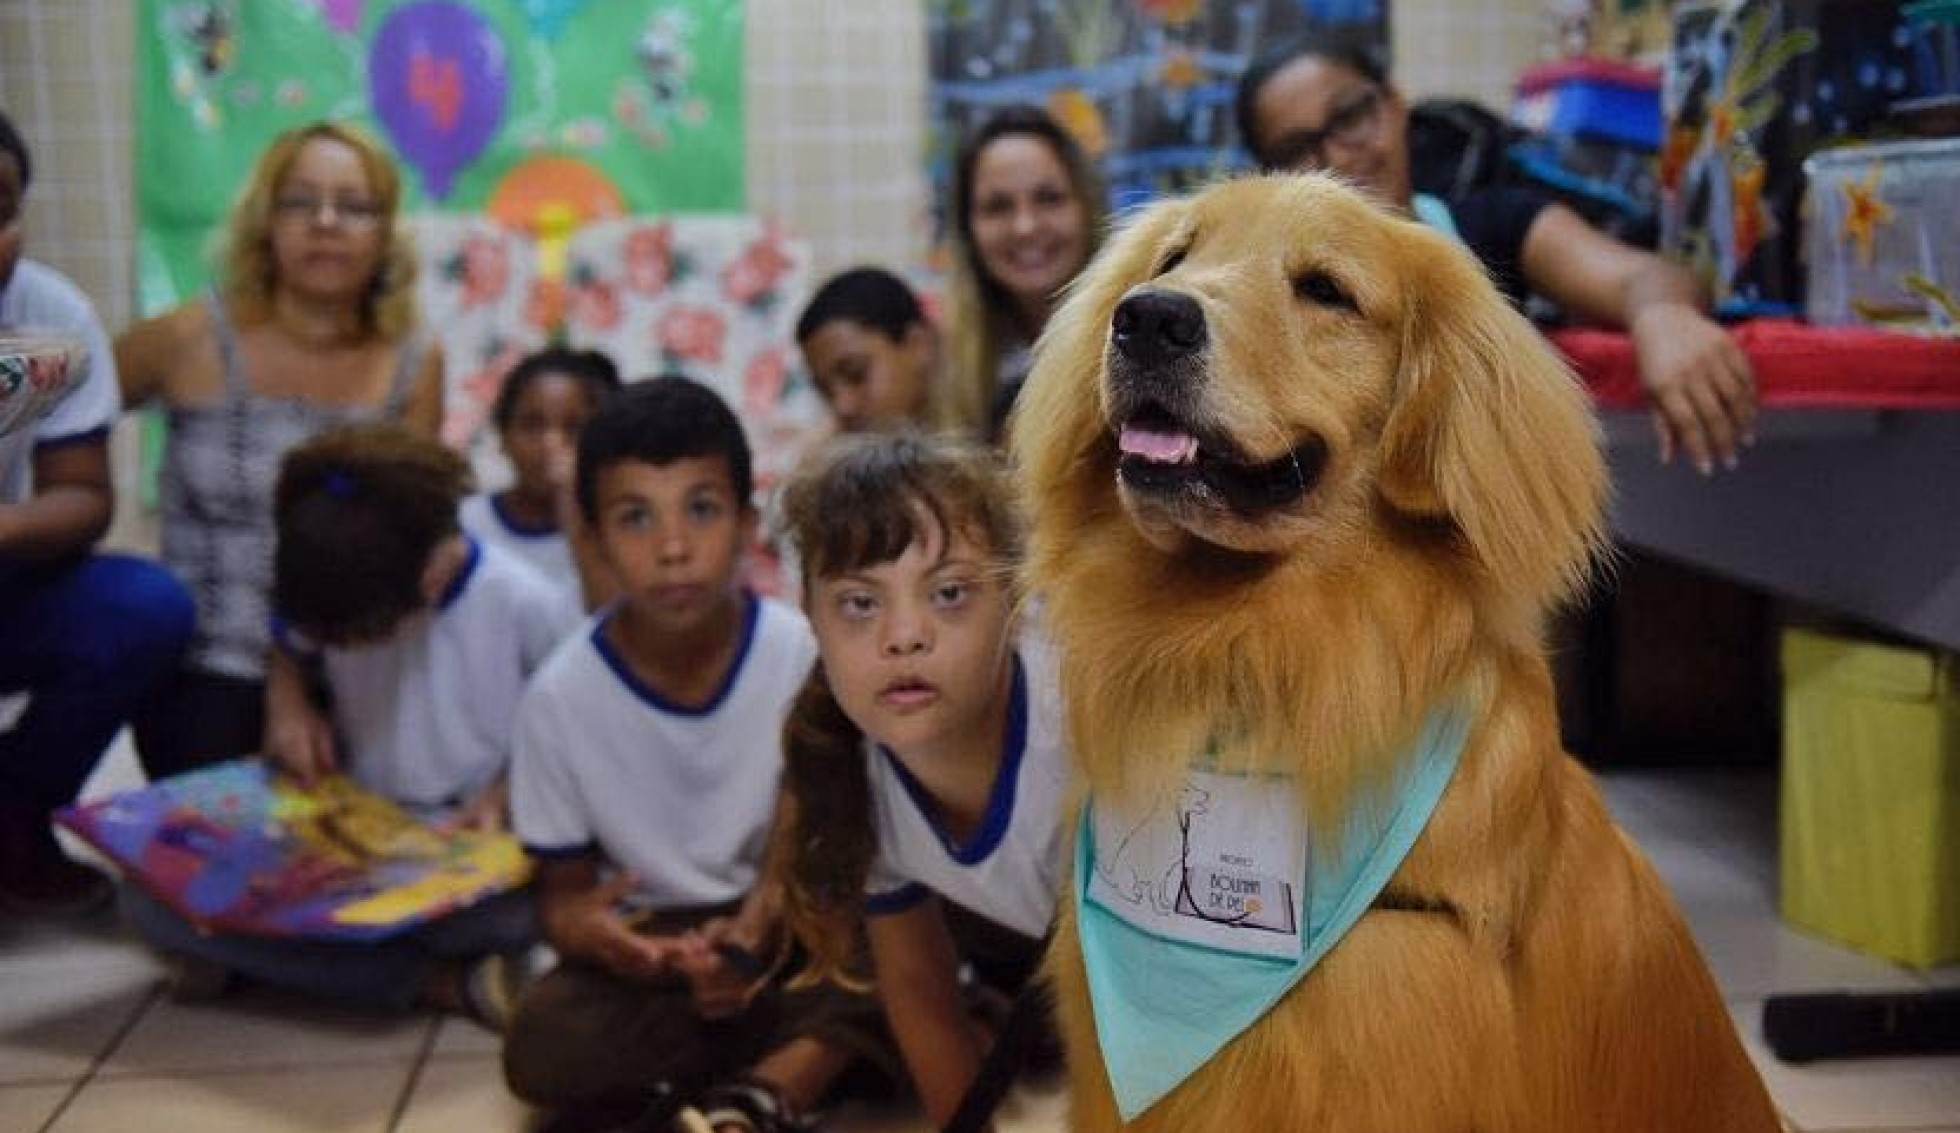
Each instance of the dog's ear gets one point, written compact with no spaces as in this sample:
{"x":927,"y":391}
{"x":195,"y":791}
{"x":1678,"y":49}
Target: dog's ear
{"x":1058,"y":417}
{"x":1490,"y":431}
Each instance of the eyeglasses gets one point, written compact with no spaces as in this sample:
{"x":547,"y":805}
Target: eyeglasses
{"x":354,"y":212}
{"x":1352,"y":125}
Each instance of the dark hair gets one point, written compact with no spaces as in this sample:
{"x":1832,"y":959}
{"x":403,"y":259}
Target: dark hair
{"x":659,"y":421}
{"x":12,"y":143}
{"x":1345,"y":48}
{"x":589,"y":368}
{"x":359,"y":510}
{"x":871,"y":297}
{"x":859,"y":501}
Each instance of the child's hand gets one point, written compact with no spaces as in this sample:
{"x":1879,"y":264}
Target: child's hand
{"x":300,"y":740}
{"x":486,"y":813}
{"x":725,"y":975}
{"x":599,"y":932}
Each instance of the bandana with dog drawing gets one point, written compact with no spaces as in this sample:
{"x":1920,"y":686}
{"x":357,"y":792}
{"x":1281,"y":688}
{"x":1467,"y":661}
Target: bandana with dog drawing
{"x":1199,"y":912}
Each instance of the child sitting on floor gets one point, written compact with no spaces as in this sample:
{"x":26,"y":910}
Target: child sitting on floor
{"x":419,"y":640}
{"x":545,"y":401}
{"x":872,"y":353}
{"x":925,"y":757}
{"x":648,"y":757}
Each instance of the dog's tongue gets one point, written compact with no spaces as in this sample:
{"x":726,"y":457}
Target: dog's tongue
{"x":1157,"y":446}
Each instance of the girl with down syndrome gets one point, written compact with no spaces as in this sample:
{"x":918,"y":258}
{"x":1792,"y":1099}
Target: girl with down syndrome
{"x":401,"y":646}
{"x":925,"y":760}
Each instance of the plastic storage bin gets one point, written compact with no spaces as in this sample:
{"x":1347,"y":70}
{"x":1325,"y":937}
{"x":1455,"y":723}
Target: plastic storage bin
{"x":1871,"y":796}
{"x":1882,"y":246}
{"x":1593,"y":99}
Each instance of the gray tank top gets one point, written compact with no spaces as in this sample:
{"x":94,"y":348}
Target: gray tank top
{"x":220,"y":466}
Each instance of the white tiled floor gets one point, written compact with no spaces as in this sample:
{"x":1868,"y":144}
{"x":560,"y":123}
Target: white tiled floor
{"x":89,"y":1045}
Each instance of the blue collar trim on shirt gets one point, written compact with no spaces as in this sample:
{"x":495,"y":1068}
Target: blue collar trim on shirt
{"x":1164,"y":1008}
{"x":516,"y":526}
{"x":1000,"y":803}
{"x":472,"y":555}
{"x":751,"y":614}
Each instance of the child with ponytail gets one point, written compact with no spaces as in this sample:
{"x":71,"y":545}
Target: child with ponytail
{"x":925,"y":758}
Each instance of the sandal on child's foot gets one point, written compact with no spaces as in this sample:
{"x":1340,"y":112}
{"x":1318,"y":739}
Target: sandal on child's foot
{"x":747,"y":1105}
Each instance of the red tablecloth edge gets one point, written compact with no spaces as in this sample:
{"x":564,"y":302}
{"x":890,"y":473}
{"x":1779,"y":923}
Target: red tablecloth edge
{"x":1798,"y":366}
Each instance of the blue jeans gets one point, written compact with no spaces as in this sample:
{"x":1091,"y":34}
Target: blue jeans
{"x":88,"y":640}
{"x":387,"y":974}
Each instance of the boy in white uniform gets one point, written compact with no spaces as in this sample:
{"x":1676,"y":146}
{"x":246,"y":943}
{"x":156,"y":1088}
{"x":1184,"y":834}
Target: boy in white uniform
{"x":648,"y":759}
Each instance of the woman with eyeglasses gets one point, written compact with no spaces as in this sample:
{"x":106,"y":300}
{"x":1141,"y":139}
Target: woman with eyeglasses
{"x":311,"y":323}
{"x":1327,"y":104}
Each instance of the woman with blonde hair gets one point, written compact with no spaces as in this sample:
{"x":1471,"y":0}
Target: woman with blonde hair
{"x":1027,"y":215}
{"x":310,"y":324}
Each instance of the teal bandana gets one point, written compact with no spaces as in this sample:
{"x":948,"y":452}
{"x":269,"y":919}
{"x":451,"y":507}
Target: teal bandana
{"x":1199,"y":912}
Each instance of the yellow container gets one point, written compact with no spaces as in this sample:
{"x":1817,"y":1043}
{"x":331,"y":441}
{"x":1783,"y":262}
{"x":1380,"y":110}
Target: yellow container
{"x":1871,"y":796}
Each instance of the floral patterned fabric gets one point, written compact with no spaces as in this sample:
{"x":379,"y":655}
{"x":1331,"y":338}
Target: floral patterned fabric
{"x":711,"y":297}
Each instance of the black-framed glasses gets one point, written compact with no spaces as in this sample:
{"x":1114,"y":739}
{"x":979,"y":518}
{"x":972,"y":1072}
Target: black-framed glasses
{"x":300,"y":208}
{"x":1351,"y":125}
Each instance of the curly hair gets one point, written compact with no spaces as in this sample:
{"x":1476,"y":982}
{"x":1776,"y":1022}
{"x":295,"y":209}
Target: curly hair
{"x":860,"y":501}
{"x":359,"y":511}
{"x":245,"y":264}
{"x":977,"y":305}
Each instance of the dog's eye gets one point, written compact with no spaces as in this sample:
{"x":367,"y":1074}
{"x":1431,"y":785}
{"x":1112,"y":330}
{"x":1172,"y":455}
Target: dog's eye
{"x":1171,"y":261}
{"x":1323,"y":289}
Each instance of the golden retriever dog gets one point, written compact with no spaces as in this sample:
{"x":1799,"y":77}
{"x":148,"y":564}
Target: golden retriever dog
{"x":1298,"y":477}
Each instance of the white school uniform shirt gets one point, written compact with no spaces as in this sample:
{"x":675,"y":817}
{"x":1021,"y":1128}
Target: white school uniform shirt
{"x":427,"y":716}
{"x":682,"y":798}
{"x":40,"y":298}
{"x":546,"y":550}
{"x":1011,"y":871}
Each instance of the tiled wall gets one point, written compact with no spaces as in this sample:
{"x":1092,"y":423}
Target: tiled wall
{"x":835,"y":120}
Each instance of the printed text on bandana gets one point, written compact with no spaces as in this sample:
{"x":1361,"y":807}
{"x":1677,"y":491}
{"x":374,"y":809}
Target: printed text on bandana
{"x":1221,"y":865}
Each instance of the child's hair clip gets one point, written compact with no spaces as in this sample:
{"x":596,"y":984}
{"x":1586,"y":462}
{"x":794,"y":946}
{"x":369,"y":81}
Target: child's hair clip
{"x":339,"y":485}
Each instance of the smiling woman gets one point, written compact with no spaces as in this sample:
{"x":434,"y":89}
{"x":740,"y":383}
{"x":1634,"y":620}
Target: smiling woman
{"x":312,"y":323}
{"x":1027,"y":214}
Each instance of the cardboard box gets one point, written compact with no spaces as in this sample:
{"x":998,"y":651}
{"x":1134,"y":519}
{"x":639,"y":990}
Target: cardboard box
{"x":1871,"y":796}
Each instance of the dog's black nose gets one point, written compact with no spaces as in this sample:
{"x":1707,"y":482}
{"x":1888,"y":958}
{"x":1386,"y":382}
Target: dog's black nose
{"x":1152,"y":328}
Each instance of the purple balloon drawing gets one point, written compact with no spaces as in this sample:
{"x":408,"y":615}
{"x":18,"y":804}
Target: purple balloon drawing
{"x":438,"y":81}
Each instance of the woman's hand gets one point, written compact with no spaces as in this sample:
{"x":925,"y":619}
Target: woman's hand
{"x":1700,"y":385}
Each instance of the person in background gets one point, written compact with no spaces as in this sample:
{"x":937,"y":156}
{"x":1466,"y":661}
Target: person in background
{"x":86,"y":637}
{"x":649,"y":751}
{"x":1028,"y":213}
{"x":546,"y":399}
{"x":872,"y":352}
{"x":1327,"y":104}
{"x":403,"y":648}
{"x":926,"y":767}
{"x":312,"y":324}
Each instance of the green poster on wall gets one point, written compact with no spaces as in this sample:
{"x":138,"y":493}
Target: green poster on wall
{"x":636,"y":100}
